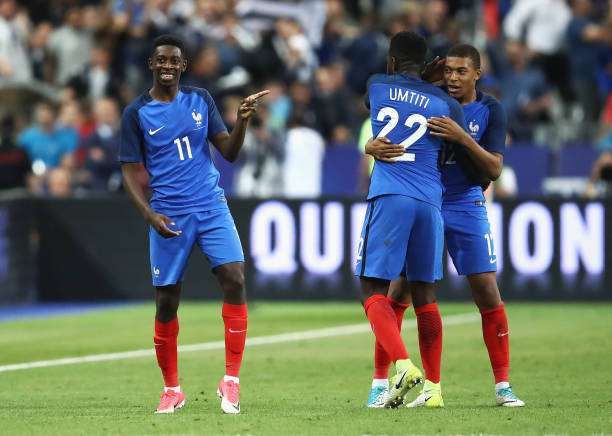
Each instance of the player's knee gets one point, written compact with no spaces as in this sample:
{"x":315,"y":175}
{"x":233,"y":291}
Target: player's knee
{"x":486,"y":293}
{"x":231,"y":280}
{"x":167,"y":303}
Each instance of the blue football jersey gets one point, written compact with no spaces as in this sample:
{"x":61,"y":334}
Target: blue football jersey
{"x":399,"y":108}
{"x":486,"y":123}
{"x":171,"y":139}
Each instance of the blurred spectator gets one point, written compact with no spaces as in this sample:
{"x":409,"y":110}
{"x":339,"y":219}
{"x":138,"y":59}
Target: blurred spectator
{"x":279,"y":105}
{"x":41,"y":65}
{"x":14,"y":58}
{"x":302,"y":102}
{"x":58,"y":183}
{"x":207,"y":72}
{"x":332,"y":101}
{"x":100,"y":170}
{"x":294,"y":49}
{"x":524,"y":92}
{"x":75,"y":118}
{"x":14,"y":162}
{"x":585,"y":40}
{"x":261,"y":157}
{"x":70,"y":45}
{"x":435,"y":25}
{"x":45,"y":143}
{"x":304,"y":150}
{"x":261,"y":14}
{"x":544,"y":24}
{"x":96,"y":80}
{"x":366,"y":55}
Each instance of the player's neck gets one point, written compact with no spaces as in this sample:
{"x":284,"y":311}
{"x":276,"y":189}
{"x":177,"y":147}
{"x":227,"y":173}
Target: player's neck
{"x":410,"y":72}
{"x":164,"y":93}
{"x":469,"y":97}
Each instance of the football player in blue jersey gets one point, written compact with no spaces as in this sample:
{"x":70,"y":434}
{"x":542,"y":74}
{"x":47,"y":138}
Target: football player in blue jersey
{"x":474,"y":160}
{"x":403,"y":231}
{"x":168,"y":129}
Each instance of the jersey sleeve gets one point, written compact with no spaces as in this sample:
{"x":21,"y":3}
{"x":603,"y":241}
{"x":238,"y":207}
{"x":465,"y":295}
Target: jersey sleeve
{"x":131,"y":147}
{"x":215,"y":122}
{"x":494,"y":138}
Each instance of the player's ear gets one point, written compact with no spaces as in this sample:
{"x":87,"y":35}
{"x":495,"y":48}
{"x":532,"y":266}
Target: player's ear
{"x":390,"y":64}
{"x":478,"y":73}
{"x":183,"y":65}
{"x":150,"y":63}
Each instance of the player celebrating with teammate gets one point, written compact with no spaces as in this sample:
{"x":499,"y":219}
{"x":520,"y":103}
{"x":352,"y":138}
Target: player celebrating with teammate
{"x":168,"y":128}
{"x":476,"y":159}
{"x":403,"y":230}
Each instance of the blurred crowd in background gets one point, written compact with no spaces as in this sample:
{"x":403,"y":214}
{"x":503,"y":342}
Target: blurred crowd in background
{"x":68,"y":67}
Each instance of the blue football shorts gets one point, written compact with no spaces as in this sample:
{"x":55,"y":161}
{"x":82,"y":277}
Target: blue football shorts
{"x":401,"y":236}
{"x":215,"y":233}
{"x":469,"y":239}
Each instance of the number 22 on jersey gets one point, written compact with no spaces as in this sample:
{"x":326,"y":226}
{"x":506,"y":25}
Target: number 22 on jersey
{"x":393,"y":116}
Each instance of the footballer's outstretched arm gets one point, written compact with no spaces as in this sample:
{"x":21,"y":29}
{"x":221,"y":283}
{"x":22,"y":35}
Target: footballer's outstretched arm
{"x":487,"y":162}
{"x":134,"y":189}
{"x":229,"y":144}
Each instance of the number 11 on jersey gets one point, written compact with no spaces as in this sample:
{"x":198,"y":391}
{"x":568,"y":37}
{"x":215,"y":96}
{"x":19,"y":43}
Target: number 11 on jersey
{"x":177,"y":141}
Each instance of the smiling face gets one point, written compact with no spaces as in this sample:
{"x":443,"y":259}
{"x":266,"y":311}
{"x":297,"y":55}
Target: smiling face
{"x":167,"y":64}
{"x":460,"y":76}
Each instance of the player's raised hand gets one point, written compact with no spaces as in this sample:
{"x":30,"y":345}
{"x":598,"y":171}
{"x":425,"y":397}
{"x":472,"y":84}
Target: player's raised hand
{"x":434,"y":71}
{"x":161,"y":224}
{"x":382,"y":149}
{"x":248,"y":106}
{"x":446,"y":128}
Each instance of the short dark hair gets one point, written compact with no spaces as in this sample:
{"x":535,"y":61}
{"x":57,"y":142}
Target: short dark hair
{"x":408,"y":47}
{"x":465,"y":51}
{"x":168,"y":39}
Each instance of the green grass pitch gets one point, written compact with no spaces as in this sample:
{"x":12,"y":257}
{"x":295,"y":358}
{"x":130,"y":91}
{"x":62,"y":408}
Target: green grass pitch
{"x":561,"y":367}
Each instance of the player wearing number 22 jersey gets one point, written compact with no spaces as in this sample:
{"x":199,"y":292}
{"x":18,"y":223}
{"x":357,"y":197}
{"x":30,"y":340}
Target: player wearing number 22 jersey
{"x":168,"y":129}
{"x":403,"y":230}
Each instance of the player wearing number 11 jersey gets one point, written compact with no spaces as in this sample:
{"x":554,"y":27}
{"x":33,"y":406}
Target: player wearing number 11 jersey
{"x":168,"y":129}
{"x":403,"y":230}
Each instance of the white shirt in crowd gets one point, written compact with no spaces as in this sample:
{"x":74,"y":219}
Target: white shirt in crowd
{"x":13,"y":53}
{"x":304,"y":150}
{"x":543,"y":21}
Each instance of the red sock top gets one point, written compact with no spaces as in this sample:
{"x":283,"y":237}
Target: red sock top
{"x":234,"y":310}
{"x":431,"y":307}
{"x":398,"y":304}
{"x":170,"y":328}
{"x":373,"y":299}
{"x":487,"y":311}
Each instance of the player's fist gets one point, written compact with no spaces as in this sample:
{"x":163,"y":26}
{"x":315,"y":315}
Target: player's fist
{"x":382,"y":149}
{"x":248,"y":106}
{"x":162,"y":224}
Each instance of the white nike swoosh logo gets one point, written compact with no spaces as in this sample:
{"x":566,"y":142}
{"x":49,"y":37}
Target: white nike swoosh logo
{"x":492,"y":260}
{"x":502,"y":334}
{"x":153,"y":132}
{"x":236,"y":331}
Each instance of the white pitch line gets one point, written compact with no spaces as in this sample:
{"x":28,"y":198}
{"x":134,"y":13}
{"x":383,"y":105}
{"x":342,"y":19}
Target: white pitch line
{"x":304,"y":335}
